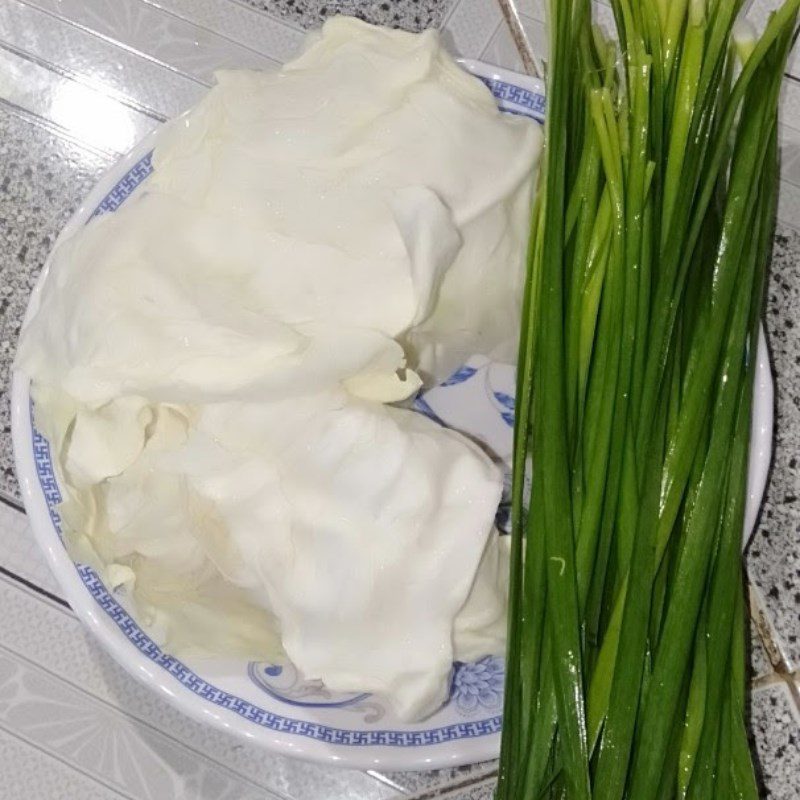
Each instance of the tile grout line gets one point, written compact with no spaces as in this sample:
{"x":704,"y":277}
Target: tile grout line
{"x":386,"y":781}
{"x":794,"y":692}
{"x":766,"y":632}
{"x":795,"y":226}
{"x":28,"y":584}
{"x":449,"y":15}
{"x":13,"y":582}
{"x":491,"y":38}
{"x":287,"y":23}
{"x":54,"y":129}
{"x":787,"y":680}
{"x":12,"y":502}
{"x":168,"y":12}
{"x":136,"y":720}
{"x":783,"y":673}
{"x":82,"y":80}
{"x":766,"y":681}
{"x":66,"y":762}
{"x":116,"y":43}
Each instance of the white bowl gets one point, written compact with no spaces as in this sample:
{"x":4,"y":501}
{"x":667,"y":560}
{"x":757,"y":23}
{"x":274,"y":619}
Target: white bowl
{"x":266,"y":703}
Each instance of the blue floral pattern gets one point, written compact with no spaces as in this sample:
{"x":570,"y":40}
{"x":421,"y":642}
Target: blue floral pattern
{"x":506,"y":402}
{"x":461,"y":375}
{"x":479,"y":685}
{"x":285,"y":684}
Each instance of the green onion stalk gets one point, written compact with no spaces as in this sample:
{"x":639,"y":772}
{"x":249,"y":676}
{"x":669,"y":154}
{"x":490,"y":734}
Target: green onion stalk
{"x":651,"y":238}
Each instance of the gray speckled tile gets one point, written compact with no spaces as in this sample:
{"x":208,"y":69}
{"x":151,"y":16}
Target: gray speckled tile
{"x":776,"y":727}
{"x":43,"y":178}
{"x":773,"y":559}
{"x":412,"y":15}
{"x":483,"y":791}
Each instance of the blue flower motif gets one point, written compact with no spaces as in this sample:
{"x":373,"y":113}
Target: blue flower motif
{"x":505,"y":400}
{"x":460,"y":376}
{"x":479,"y":684}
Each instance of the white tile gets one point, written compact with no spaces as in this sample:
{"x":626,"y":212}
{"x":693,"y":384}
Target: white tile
{"x":790,"y":104}
{"x":789,"y":204}
{"x":20,"y":554}
{"x":790,"y":155}
{"x":502,"y":51}
{"x":37,"y":631}
{"x":89,"y":115}
{"x":98,"y":740}
{"x":470,"y":25}
{"x":28,"y":772}
{"x":168,"y":39}
{"x":537,"y":9}
{"x":241,"y":24}
{"x":532,"y":8}
{"x":105,"y":66}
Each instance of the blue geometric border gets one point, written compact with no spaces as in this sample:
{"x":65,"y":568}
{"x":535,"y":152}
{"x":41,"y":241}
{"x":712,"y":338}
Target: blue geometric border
{"x":260,"y":716}
{"x":219,"y":697}
{"x":126,"y":186}
{"x":531,"y":104}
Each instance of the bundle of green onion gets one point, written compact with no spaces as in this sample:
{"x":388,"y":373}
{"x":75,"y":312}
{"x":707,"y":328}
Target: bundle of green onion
{"x":651,"y":238}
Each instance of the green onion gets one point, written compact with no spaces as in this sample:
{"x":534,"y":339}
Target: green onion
{"x":650,"y":242}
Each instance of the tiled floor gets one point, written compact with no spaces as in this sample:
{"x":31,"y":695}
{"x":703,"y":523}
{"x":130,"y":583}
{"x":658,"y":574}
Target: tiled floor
{"x":71,"y":724}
